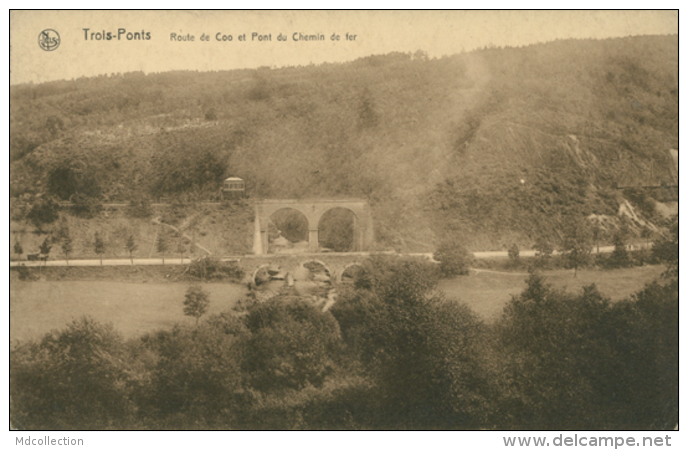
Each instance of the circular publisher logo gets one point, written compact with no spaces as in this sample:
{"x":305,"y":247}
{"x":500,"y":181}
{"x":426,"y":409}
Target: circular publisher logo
{"x":48,"y":40}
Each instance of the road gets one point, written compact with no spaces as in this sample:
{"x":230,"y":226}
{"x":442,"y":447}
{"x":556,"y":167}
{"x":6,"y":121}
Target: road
{"x":179,"y":261}
{"x":106,"y":262}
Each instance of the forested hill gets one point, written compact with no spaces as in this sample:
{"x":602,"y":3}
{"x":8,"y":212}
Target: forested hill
{"x":493,"y":146}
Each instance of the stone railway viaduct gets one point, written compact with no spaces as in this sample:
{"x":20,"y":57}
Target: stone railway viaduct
{"x":313,"y":211}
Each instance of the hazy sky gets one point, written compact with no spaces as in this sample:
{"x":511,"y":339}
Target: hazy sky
{"x":437,"y":33}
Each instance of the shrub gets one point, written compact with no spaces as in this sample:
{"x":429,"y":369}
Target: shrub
{"x":543,"y":253}
{"x":24,"y":273}
{"x":388,"y":276}
{"x":85,"y":206}
{"x":208,"y":268}
{"x":665,"y":249}
{"x":620,"y":257}
{"x":454,"y":259}
{"x":44,"y":211}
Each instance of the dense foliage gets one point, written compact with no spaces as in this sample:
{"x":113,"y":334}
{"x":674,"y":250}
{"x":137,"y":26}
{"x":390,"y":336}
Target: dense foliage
{"x":666,"y":248}
{"x":390,"y":354}
{"x":495,"y":146}
{"x":453,"y":257}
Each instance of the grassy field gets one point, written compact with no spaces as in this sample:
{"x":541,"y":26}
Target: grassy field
{"x":133,"y":308}
{"x":487,"y":292}
{"x":136,"y":307}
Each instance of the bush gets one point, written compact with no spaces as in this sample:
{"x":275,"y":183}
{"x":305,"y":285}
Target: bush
{"x":454,"y":259}
{"x":24,"y":273}
{"x":388,"y":276}
{"x":543,"y":253}
{"x":86,"y":206}
{"x":208,"y":269}
{"x":665,"y":249}
{"x":44,"y":211}
{"x":620,"y":257}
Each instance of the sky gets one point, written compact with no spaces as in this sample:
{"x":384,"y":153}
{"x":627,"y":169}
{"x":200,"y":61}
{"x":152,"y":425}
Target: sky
{"x":438,"y":33}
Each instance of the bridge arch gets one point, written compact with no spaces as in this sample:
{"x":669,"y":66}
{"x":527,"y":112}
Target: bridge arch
{"x":255,"y":272}
{"x":290,"y":224}
{"x":337,"y":229}
{"x":341,"y":273}
{"x":313,"y":210}
{"x":329,"y":271}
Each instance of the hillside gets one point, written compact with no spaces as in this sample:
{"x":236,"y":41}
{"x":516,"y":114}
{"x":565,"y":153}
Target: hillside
{"x":494,"y":147}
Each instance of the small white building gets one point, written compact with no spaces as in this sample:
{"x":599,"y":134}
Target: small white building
{"x":233,"y":187}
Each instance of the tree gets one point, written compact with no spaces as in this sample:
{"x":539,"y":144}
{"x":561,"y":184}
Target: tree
{"x":619,"y":257}
{"x":131,"y":247}
{"x":73,"y":177}
{"x":196,"y":302}
{"x":67,"y":245}
{"x":76,"y":378}
{"x":421,"y":352}
{"x":596,"y":231}
{"x":45,"y":249}
{"x":554,"y":350}
{"x":18,"y":250}
{"x":514,"y":253}
{"x":292,"y":344}
{"x":543,"y":252}
{"x":665,"y":249}
{"x":181,"y":248}
{"x":647,"y":234}
{"x":577,"y":244}
{"x":198,"y":370}
{"x":645,"y":334}
{"x":162,"y":246}
{"x":44,"y":211}
{"x":99,"y":247}
{"x":453,"y":257}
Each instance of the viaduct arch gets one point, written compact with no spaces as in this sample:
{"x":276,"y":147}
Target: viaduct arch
{"x":313,"y":210}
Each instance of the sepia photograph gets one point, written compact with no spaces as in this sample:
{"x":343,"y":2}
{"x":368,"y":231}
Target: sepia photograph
{"x":344,"y":220}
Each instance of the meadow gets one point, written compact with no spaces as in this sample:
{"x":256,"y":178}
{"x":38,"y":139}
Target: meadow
{"x":135,"y":308}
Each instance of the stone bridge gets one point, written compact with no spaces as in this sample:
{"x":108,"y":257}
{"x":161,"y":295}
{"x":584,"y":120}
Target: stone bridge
{"x":334,"y":263}
{"x":313,"y":211}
